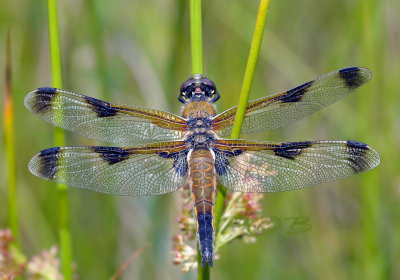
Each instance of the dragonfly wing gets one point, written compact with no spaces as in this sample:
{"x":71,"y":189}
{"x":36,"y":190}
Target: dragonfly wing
{"x":283,"y":108}
{"x":135,"y":171}
{"x":273,"y":167}
{"x":100,"y":120}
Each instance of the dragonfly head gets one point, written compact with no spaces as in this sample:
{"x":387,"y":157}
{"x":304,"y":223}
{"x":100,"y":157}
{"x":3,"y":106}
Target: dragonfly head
{"x":198,"y":88}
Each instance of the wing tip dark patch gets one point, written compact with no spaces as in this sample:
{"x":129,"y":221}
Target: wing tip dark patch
{"x":297,"y":93}
{"x":112,"y":155}
{"x":291,"y":150}
{"x":357,"y":156}
{"x":48,"y":162}
{"x":356,"y":144}
{"x":354,"y":77}
{"x":42,"y":99}
{"x":47,"y":90}
{"x":101,"y":108}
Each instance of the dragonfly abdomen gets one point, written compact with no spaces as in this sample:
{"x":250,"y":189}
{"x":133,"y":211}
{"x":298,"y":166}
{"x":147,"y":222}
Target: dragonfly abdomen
{"x":203,"y":186}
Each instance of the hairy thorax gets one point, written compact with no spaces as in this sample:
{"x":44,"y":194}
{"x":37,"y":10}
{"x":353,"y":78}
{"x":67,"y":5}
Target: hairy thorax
{"x":198,"y":109}
{"x":200,"y":134}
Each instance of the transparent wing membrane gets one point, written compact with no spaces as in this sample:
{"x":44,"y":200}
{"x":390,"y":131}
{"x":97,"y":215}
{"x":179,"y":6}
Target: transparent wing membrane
{"x":134,"y":171}
{"x":273,"y":167}
{"x":283,"y":108}
{"x":101,"y":120}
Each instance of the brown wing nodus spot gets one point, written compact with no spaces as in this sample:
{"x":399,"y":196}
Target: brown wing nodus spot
{"x":112,"y":155}
{"x":297,"y":93}
{"x":291,"y":150}
{"x":101,"y":108}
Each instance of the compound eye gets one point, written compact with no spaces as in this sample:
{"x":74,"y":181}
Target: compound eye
{"x":186,"y":84}
{"x":208,"y":82}
{"x":210,"y":93}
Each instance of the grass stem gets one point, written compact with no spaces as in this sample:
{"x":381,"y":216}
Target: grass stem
{"x":196,"y":37}
{"x":9,"y":140}
{"x":56,"y":72}
{"x":244,"y":94}
{"x":196,"y":42}
{"x":250,"y":67}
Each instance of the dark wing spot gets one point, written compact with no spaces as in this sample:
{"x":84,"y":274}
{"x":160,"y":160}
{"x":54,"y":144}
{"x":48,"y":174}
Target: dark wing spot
{"x":292,"y":149}
{"x":112,"y":155}
{"x":352,"y":77}
{"x":295,"y":94}
{"x":101,"y":108}
{"x":49,"y":162}
{"x":356,"y":145}
{"x":222,"y":159}
{"x":221,"y":162}
{"x":357,"y":156}
{"x":180,"y":161}
{"x":43,"y":99}
{"x":180,"y":164}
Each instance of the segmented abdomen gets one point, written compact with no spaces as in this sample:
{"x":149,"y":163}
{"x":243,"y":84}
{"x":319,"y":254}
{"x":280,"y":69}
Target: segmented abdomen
{"x":203,"y":186}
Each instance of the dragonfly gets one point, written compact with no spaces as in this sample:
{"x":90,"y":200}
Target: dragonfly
{"x":193,"y":150}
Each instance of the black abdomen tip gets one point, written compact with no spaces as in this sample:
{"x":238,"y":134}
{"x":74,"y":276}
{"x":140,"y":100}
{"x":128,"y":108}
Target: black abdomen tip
{"x":205,"y":231}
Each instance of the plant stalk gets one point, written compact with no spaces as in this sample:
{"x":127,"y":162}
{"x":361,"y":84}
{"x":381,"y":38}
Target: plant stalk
{"x":196,"y":40}
{"x":9,"y":140}
{"x":56,"y":73}
{"x":244,"y":94}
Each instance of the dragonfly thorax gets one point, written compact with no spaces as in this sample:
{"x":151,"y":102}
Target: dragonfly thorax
{"x":200,"y":138}
{"x":200,"y":133}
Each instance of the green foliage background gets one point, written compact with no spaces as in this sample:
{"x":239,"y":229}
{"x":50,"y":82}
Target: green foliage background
{"x":138,"y":52}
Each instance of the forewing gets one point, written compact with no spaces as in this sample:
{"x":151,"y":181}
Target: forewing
{"x":283,"y":108}
{"x":273,"y":167}
{"x":101,"y":120}
{"x":135,"y":171}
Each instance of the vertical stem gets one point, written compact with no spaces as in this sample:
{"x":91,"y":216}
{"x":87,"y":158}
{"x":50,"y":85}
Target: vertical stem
{"x":55,"y":54}
{"x":374,"y":261}
{"x":203,"y":272}
{"x":250,"y":68}
{"x":10,"y":148}
{"x":196,"y":40}
{"x":244,"y":94}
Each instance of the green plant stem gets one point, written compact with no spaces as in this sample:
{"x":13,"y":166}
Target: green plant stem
{"x":196,"y":40}
{"x":10,"y":148}
{"x":203,"y":272}
{"x":250,"y":68}
{"x":55,"y":54}
{"x":244,"y":94}
{"x":374,"y":262}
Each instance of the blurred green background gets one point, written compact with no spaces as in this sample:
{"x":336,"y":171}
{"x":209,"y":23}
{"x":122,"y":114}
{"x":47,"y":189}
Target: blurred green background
{"x":138,"y":52}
